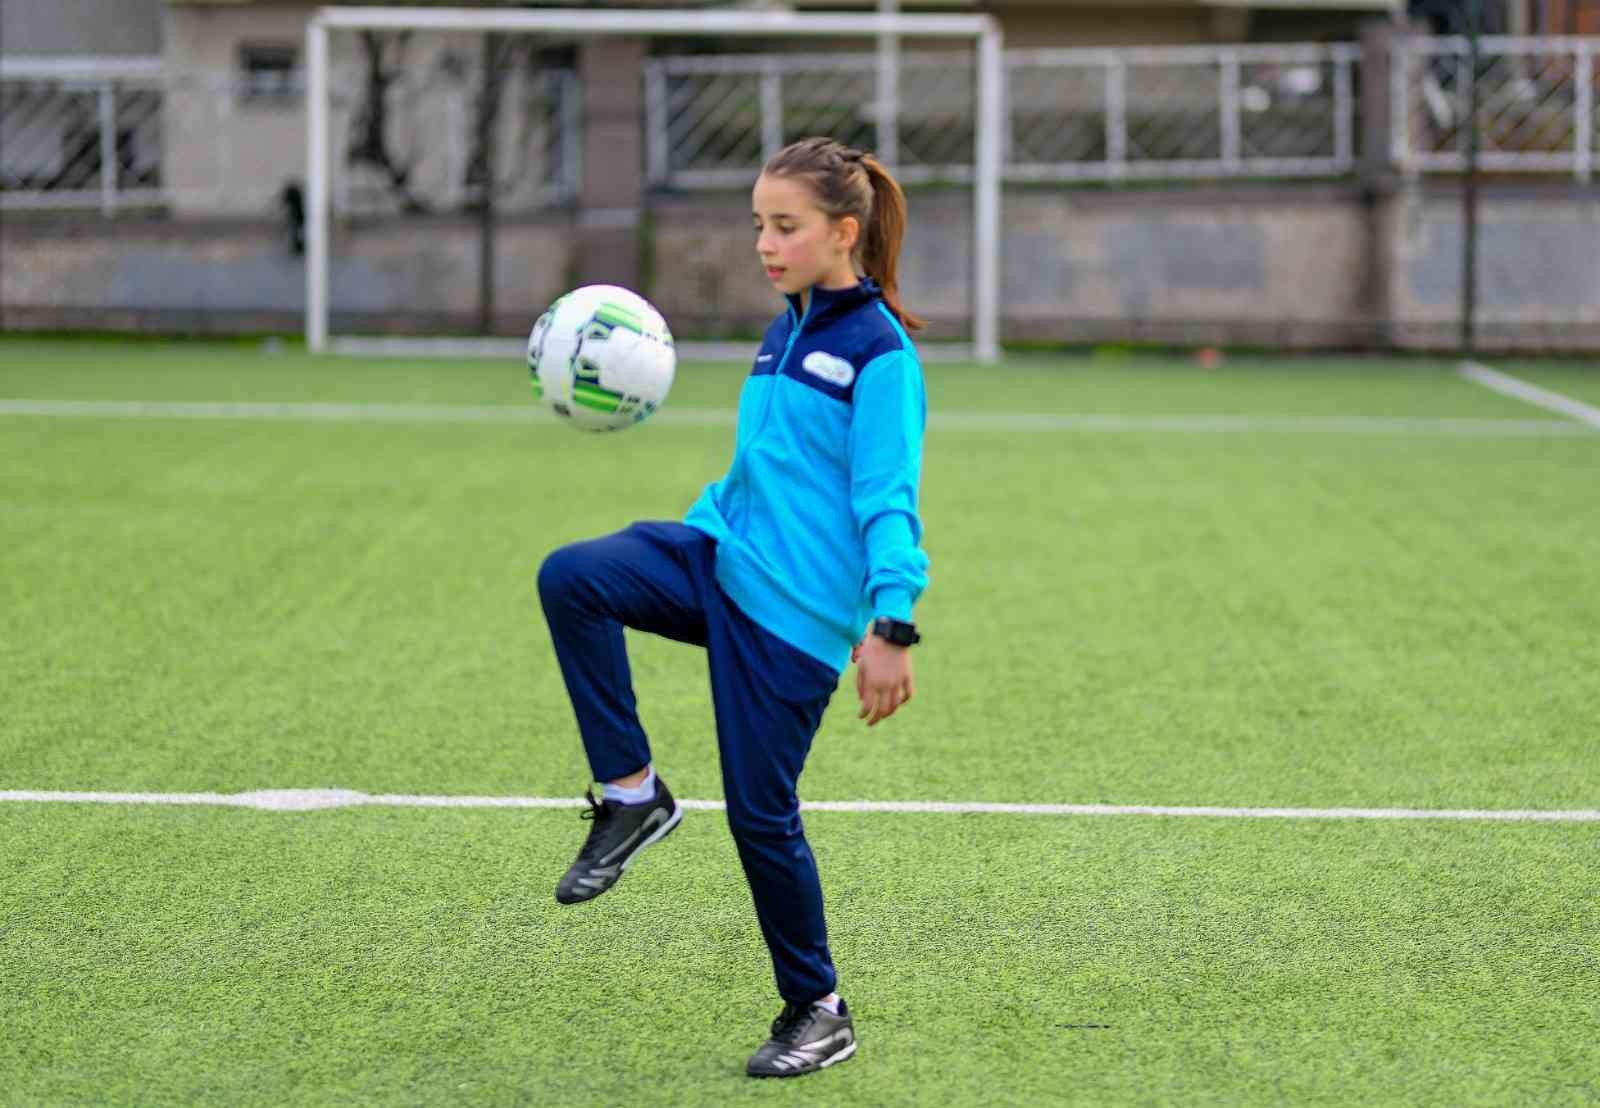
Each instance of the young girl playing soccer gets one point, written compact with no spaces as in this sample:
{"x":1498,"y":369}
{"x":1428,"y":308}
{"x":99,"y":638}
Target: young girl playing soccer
{"x":811,"y":536}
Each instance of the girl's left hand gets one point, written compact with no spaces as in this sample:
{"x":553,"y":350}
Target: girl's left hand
{"x":883,"y":677}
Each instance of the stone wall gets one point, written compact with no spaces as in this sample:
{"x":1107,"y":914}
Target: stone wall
{"x":1302,"y":266}
{"x":229,"y":276}
{"x":1299,"y":266}
{"x":1538,"y":271}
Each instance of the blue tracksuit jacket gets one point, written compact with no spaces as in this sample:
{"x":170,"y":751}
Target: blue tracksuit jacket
{"x":816,"y":521}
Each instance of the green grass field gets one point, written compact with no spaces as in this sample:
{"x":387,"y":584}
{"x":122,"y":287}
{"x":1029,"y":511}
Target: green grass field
{"x":1282,"y":614}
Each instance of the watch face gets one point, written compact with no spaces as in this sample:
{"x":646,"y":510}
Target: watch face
{"x":896,"y":631}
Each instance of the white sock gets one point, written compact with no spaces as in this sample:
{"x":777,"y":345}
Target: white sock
{"x":830,"y":1002}
{"x":644,"y":791}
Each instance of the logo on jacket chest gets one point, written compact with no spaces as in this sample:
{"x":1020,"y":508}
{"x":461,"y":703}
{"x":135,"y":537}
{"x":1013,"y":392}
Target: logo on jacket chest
{"x":829,"y":367}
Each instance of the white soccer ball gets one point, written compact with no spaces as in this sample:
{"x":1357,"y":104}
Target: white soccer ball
{"x":601,"y":358}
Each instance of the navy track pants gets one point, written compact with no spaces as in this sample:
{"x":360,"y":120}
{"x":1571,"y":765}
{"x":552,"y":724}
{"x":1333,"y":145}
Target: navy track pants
{"x":768,"y":698}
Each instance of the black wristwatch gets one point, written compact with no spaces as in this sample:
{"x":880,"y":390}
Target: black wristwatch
{"x":897,"y":631}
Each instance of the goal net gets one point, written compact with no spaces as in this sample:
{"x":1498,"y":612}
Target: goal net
{"x":475,"y":163}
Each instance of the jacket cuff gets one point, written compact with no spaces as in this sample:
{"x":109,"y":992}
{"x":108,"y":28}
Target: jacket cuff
{"x":892,"y":601}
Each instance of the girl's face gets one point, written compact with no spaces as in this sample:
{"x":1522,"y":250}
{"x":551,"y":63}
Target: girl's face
{"x":799,"y":244}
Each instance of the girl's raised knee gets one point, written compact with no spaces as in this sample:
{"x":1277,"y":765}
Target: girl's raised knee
{"x":560,"y":571}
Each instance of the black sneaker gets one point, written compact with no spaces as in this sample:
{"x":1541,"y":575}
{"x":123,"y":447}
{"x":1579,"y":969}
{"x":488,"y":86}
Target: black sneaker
{"x":804,"y":1039}
{"x":620,"y":831}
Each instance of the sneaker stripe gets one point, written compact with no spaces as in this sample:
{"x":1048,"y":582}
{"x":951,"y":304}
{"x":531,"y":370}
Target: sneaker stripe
{"x":587,"y":880}
{"x":646,"y":827}
{"x":660,"y":833}
{"x":805,"y":1057}
{"x":838,"y":1057}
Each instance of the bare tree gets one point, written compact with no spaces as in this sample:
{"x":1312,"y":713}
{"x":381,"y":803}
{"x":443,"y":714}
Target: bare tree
{"x":497,"y":54}
{"x":369,"y":131}
{"x":483,"y":177}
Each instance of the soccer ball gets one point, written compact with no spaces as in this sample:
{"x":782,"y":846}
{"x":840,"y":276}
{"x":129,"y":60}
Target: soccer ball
{"x":601,"y":358}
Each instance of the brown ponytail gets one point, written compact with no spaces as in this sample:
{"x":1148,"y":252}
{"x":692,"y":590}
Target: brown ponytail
{"x":848,"y":182}
{"x":886,"y":227}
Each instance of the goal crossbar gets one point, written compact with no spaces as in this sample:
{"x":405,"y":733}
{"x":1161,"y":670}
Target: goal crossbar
{"x":650,"y":21}
{"x":983,"y":29}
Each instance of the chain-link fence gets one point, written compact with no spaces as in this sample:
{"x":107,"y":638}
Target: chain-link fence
{"x":713,"y":121}
{"x":1072,"y":114}
{"x":1536,"y":104}
{"x":411,"y":137}
{"x":134,"y":135}
{"x":1278,"y":111}
{"x":82,"y":136}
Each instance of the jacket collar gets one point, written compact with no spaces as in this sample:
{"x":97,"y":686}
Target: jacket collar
{"x":830,"y":302}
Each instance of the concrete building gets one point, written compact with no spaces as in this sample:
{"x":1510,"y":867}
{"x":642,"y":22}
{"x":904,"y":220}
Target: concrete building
{"x":233,"y":153}
{"x":80,"y":28}
{"x":1369,"y":259}
{"x":230,"y":132}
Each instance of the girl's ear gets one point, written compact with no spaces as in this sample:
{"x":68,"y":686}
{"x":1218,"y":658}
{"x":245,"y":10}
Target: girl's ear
{"x":847,"y":232}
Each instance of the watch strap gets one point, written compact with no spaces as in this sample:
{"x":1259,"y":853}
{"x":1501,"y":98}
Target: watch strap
{"x":899,"y":632}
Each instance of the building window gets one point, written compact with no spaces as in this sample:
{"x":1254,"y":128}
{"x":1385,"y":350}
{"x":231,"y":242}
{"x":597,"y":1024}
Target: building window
{"x":269,"y":73}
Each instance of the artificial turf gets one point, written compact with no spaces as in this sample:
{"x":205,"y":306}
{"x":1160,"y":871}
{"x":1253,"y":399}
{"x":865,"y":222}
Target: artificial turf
{"x":184,"y":956}
{"x":1254,"y":619}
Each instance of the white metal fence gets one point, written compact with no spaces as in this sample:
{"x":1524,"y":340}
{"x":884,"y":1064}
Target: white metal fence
{"x":713,"y":121}
{"x":118,"y":134}
{"x":1183,"y":112}
{"x":81,"y":134}
{"x":1086,"y":115}
{"x":1536,"y":104}
{"x":124,"y":135}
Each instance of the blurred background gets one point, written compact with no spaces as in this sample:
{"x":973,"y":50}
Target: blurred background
{"x":1283,"y":173}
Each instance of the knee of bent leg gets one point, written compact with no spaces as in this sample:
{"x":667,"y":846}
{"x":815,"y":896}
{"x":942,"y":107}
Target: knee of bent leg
{"x":561,"y":570}
{"x":757,"y":824}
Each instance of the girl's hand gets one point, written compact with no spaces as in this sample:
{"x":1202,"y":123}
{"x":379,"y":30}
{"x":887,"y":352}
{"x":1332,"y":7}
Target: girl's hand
{"x":883,"y":677}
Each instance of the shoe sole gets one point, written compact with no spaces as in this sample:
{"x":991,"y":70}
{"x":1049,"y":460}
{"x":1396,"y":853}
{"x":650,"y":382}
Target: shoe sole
{"x":837,"y":1056}
{"x":656,"y":836}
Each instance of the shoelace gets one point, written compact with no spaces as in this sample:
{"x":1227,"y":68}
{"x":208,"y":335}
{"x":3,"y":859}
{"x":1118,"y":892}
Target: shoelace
{"x":789,"y":1021}
{"x":598,"y":812}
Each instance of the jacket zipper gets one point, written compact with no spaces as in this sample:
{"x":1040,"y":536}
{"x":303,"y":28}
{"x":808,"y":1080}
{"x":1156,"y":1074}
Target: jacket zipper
{"x":766,"y":410}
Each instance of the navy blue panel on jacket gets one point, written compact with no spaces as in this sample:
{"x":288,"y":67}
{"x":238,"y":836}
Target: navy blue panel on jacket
{"x":816,"y":520}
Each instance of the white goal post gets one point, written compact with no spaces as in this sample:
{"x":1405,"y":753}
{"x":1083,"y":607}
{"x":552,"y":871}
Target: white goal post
{"x":984,"y":30}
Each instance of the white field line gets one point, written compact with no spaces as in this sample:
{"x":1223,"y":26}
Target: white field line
{"x":1507,"y":385}
{"x":720,"y":417}
{"x":505,"y":349}
{"x":306,"y":800}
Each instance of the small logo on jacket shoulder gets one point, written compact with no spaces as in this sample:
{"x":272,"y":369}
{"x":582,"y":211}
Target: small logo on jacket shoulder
{"x":763,"y":358}
{"x":830,"y":367}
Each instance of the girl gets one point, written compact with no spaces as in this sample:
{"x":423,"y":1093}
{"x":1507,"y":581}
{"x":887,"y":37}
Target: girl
{"x":812,"y":535}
